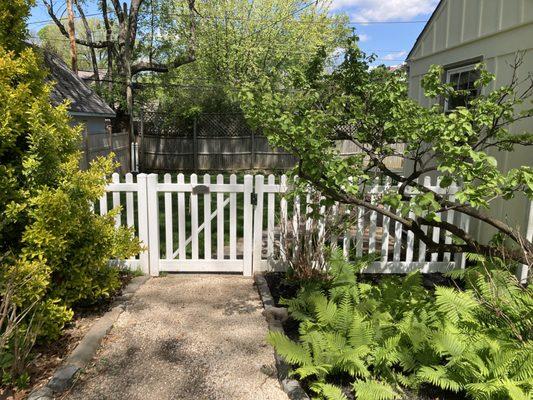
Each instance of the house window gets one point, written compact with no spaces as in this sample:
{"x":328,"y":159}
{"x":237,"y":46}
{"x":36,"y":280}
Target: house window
{"x":462,"y":78}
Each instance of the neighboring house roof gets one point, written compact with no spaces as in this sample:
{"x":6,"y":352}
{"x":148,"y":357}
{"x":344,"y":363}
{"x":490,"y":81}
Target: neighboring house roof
{"x":83,"y":100}
{"x":430,"y":21}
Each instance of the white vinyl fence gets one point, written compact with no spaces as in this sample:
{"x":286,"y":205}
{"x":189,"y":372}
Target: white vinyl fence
{"x":246,"y":224}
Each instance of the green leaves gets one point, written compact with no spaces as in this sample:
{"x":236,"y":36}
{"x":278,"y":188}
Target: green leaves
{"x":374,"y":390}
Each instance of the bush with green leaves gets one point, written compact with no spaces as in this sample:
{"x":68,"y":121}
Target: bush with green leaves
{"x":387,"y":339}
{"x":54,"y":250}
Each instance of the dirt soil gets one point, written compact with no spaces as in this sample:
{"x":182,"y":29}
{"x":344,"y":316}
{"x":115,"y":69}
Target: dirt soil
{"x":186,"y":337}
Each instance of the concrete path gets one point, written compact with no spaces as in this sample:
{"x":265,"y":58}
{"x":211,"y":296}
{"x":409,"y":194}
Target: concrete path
{"x":186,"y":337}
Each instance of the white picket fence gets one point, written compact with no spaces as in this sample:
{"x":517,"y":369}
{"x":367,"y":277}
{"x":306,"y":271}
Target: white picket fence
{"x":244,"y":225}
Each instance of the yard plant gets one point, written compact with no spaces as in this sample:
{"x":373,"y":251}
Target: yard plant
{"x":309,"y":109}
{"x":54,"y":250}
{"x":383,"y":341}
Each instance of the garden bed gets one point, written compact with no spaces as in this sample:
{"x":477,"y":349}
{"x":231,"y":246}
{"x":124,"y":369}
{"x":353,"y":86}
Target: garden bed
{"x":48,"y":357}
{"x":282,"y":288}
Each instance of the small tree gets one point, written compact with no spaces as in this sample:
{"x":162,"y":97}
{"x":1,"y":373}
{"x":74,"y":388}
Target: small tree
{"x":304,"y":113}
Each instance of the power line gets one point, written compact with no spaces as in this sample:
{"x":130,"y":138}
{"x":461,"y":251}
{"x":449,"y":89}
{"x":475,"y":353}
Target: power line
{"x":214,"y":17}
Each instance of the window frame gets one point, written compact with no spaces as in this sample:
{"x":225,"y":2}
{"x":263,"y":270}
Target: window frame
{"x":450,"y":71}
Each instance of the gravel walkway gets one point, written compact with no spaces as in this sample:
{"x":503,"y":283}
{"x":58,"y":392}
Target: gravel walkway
{"x":186,"y":337}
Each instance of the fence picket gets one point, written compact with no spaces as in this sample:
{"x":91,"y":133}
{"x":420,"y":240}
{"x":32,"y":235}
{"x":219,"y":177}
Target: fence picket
{"x":194,"y":219}
{"x":169,"y":239}
{"x":450,"y":216}
{"x":153,"y":223}
{"x":270,"y":218}
{"x":422,"y":245}
{"x":283,"y":220}
{"x":142,"y":216}
{"x":359,"y":236}
{"x":397,"y":240}
{"x":220,"y":220}
{"x":258,"y":222}
{"x":207,"y":219}
{"x":247,"y":226}
{"x":233,"y":220}
{"x":435,"y":236}
{"x":373,"y":220}
{"x":385,"y":226}
{"x":103,"y":204}
{"x":181,"y":220}
{"x":115,"y":178}
{"x":129,"y":202}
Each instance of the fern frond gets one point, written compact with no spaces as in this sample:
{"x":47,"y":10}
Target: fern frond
{"x":328,"y":391}
{"x":374,"y":390}
{"x":309,"y":370}
{"x":291,"y":351}
{"x":455,"y":305}
{"x":438,"y":376}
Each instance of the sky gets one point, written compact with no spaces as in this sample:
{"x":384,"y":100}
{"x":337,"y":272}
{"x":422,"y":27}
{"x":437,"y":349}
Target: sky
{"x":387,"y":28}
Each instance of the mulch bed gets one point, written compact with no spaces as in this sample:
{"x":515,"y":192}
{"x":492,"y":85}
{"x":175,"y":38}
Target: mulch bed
{"x":282,"y":288}
{"x":48,"y":356}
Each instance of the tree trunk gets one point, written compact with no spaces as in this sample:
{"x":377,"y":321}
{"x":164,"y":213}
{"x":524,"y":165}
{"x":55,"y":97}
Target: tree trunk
{"x":72,"y":38}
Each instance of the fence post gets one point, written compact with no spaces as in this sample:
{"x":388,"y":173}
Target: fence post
{"x":195,"y":144}
{"x":142,"y":212}
{"x":252,"y":157}
{"x":153,"y":223}
{"x":460,"y":258}
{"x":258,"y":221}
{"x":248,"y":226}
{"x":140,"y":153}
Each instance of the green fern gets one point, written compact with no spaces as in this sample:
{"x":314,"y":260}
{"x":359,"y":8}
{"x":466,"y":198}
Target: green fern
{"x":374,"y":390}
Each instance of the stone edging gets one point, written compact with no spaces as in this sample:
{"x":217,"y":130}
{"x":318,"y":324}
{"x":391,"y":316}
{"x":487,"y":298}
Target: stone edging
{"x":274,"y":317}
{"x":86,"y":349}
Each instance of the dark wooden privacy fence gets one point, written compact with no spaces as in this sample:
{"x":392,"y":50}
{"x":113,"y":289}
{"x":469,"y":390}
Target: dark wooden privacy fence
{"x":214,"y":142}
{"x":209,"y":142}
{"x":101,"y":144}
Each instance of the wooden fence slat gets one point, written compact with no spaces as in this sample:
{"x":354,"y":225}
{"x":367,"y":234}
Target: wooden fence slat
{"x":283,"y":220}
{"x":142,"y":216}
{"x":220,"y":220}
{"x":153,"y":224}
{"x":397,"y":240}
{"x":103,"y":204}
{"x":359,"y":236}
{"x":373,"y":219}
{"x":115,"y":178}
{"x":181,"y":221}
{"x":421,"y":244}
{"x":194,"y":219}
{"x":169,"y":238}
{"x":129,"y":203}
{"x":436,"y":231}
{"x":270,"y":218}
{"x":233,"y":220}
{"x":247,"y":226}
{"x":450,"y":217}
{"x":207,"y":219}
{"x":385,"y":226}
{"x":258,"y":222}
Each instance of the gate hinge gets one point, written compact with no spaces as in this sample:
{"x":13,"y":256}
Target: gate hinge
{"x":254,"y":199}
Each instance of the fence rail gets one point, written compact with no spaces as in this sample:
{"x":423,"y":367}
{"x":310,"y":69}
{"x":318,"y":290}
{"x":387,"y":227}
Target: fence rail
{"x":246,"y":224}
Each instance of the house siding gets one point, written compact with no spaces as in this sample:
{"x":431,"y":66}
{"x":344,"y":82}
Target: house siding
{"x":494,"y":30}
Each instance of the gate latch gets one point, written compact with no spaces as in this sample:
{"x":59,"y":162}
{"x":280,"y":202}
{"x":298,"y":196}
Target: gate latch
{"x":200,"y":189}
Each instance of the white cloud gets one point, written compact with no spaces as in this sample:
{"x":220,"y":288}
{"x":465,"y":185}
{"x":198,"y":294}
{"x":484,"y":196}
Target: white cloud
{"x":363,"y":37}
{"x":384,"y":10}
{"x":394,"y":56}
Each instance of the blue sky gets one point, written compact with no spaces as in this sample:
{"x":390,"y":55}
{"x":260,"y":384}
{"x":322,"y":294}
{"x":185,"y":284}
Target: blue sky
{"x":376,"y":21}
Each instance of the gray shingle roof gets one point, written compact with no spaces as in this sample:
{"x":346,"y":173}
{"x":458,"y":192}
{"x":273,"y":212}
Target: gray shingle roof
{"x":83,"y":100}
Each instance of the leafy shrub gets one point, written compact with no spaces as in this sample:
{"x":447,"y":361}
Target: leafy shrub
{"x":54,"y":251}
{"x":396,"y":335}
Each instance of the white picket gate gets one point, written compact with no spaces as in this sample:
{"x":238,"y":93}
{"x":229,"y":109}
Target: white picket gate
{"x":244,"y":224}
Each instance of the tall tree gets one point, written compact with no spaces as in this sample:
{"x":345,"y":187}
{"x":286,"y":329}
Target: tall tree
{"x":122,"y":50}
